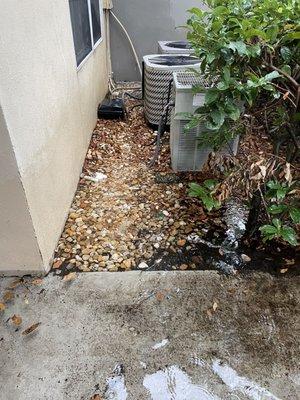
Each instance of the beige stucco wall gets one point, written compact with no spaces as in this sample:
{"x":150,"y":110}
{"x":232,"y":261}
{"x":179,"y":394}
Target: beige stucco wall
{"x":18,"y":245}
{"x":49,"y":108}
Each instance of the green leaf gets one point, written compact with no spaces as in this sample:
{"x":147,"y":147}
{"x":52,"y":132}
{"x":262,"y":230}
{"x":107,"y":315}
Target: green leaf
{"x":295,"y":214}
{"x":289,"y":235}
{"x":268,"y":230}
{"x":203,"y":193}
{"x":277,"y":223}
{"x":233,"y":111}
{"x":196,"y":190}
{"x":273,"y":185}
{"x":277,"y":208}
{"x":254,"y":51}
{"x":281,"y":193}
{"x":292,"y":36}
{"x":220,"y":10}
{"x":239,"y":46}
{"x":287,"y":69}
{"x":211,"y":96}
{"x":208,"y":202}
{"x":218,"y":117}
{"x":272,"y":33}
{"x":210,"y":184}
{"x":286,"y":53}
{"x":195,"y":11}
{"x":226,"y":74}
{"x":272,"y":75}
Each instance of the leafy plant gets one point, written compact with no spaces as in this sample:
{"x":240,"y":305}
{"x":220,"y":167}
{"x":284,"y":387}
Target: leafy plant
{"x":279,"y":231}
{"x":285,"y":208}
{"x":249,"y":53}
{"x":205,"y":193}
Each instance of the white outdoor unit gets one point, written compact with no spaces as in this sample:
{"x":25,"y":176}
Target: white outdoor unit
{"x":174,"y":47}
{"x":158,"y":72}
{"x":186,"y":154}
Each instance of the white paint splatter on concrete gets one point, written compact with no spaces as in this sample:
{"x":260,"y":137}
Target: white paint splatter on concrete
{"x":161,"y":344}
{"x":174,"y":384}
{"x":235,"y":382}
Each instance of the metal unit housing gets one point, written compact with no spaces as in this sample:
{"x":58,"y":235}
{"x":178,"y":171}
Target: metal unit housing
{"x":158,"y":73}
{"x":174,"y":47}
{"x":186,"y":154}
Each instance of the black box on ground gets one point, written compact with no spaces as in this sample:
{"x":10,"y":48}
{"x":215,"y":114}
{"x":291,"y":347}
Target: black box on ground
{"x":111,"y":109}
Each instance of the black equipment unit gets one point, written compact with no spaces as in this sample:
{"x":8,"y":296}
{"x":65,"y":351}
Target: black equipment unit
{"x":111,"y":109}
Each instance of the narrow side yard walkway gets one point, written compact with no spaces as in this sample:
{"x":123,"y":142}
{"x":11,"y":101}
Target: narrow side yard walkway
{"x":150,"y":336}
{"x":133,"y":213}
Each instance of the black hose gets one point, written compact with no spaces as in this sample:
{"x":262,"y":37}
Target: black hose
{"x":132,"y":96}
{"x":160,"y":132}
{"x":168,"y":98}
{"x":135,"y":106}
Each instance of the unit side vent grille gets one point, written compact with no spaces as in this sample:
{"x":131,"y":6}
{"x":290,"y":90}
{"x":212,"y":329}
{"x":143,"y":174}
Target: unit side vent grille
{"x":186,"y":80}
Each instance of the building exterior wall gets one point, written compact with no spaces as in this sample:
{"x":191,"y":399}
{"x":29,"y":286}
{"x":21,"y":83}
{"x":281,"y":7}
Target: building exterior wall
{"x":18,"y":245}
{"x":147,"y":22}
{"x":49,"y":108}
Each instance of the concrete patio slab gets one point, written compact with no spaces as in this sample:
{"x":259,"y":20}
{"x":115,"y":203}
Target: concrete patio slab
{"x":157,"y":335}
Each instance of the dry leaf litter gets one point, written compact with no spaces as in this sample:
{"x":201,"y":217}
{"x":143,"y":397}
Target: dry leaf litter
{"x":124,"y":212}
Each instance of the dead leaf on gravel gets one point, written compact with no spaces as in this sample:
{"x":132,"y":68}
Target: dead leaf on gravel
{"x":209,"y":313}
{"x":96,"y":397}
{"x":70,"y":277}
{"x":31,"y":328}
{"x":16,"y":320}
{"x":8,"y":296}
{"x":2,"y":306}
{"x":215,"y":306}
{"x":57,"y":264}
{"x":37,"y":281}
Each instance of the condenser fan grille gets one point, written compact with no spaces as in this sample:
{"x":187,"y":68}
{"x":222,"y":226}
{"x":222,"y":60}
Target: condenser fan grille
{"x":173,"y":60}
{"x":158,"y":73}
{"x":181,"y":44}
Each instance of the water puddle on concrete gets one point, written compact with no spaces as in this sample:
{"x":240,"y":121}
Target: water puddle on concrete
{"x":115,"y":385}
{"x":241,"y":384}
{"x":174,"y":384}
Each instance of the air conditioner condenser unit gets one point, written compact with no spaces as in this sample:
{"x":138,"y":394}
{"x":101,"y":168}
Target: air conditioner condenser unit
{"x":157,"y":75}
{"x":186,"y":154}
{"x":174,"y":47}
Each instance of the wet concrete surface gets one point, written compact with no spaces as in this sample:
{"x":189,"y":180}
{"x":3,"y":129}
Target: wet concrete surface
{"x":188,"y":335}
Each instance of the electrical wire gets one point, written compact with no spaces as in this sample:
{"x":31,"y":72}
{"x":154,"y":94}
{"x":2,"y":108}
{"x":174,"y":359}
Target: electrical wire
{"x":130,"y":41}
{"x":111,"y":84}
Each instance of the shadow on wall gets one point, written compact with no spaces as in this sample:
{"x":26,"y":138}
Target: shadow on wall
{"x":147,"y":22}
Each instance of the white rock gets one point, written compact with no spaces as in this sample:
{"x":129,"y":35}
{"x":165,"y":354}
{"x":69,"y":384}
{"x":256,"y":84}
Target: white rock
{"x":143,"y":265}
{"x":245,"y":258}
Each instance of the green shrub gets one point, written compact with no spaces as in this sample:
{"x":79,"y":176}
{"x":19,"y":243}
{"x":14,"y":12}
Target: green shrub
{"x":250,"y":54}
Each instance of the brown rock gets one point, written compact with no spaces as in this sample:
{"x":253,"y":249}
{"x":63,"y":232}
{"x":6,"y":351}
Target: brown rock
{"x":183,"y":267}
